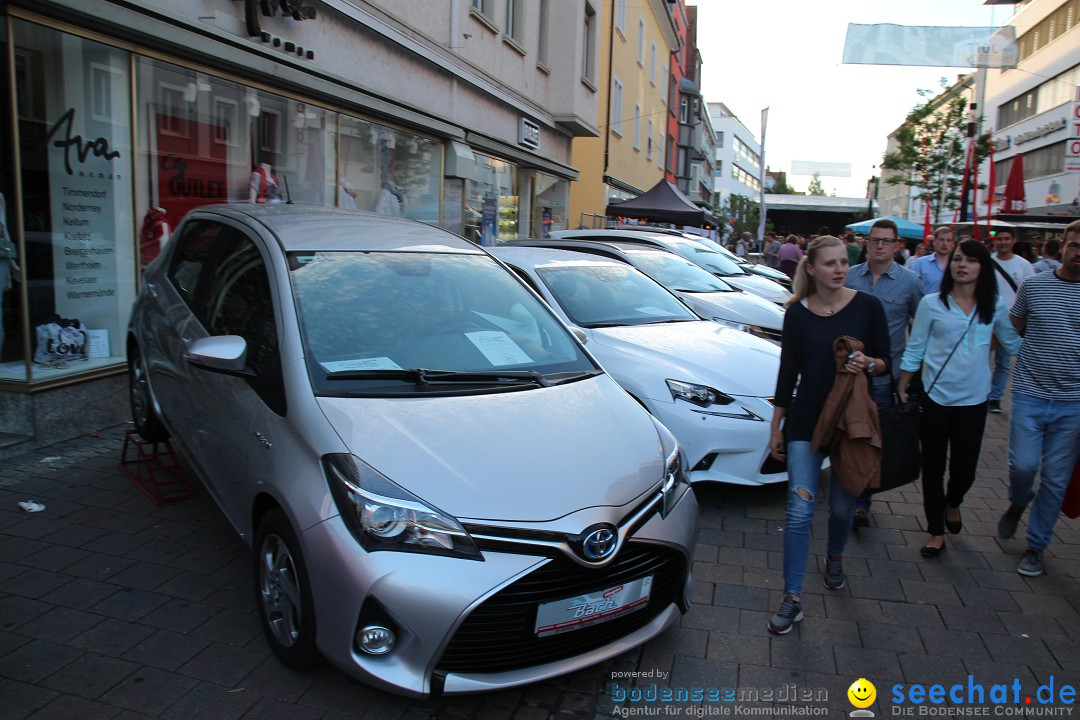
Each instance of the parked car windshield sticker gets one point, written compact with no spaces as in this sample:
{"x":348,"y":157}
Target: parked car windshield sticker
{"x":376,"y":363}
{"x":498,"y":348}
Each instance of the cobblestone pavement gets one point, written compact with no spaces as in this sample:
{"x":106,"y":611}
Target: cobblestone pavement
{"x":112,"y":607}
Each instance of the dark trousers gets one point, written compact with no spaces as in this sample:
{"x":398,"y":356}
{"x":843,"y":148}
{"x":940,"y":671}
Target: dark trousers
{"x":955,"y":432}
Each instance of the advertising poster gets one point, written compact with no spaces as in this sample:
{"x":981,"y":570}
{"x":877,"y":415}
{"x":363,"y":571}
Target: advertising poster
{"x":88,"y":146}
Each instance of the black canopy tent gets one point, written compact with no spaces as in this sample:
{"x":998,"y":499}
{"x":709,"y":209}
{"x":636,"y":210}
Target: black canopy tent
{"x":664,"y":203}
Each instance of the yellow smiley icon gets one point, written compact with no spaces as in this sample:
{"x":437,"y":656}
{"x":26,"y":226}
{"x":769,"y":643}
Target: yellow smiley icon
{"x":862,"y":693}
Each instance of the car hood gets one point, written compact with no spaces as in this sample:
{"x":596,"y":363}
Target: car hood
{"x":528,"y":456}
{"x":761,"y":286}
{"x":731,"y":361}
{"x":738,"y":306}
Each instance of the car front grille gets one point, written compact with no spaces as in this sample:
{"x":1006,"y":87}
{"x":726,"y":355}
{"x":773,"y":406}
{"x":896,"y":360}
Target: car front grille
{"x":499,"y":634}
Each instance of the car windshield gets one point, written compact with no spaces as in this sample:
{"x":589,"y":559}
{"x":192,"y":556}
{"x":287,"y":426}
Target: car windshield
{"x":405,"y":321}
{"x":708,"y":258}
{"x":713,"y":245}
{"x":611,"y":295}
{"x":676,"y":273}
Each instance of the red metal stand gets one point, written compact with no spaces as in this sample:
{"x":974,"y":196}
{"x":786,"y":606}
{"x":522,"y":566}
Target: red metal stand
{"x":158,"y":472}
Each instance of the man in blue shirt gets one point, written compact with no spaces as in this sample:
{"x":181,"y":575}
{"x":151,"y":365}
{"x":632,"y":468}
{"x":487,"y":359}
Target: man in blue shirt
{"x":931,"y":268}
{"x":900,"y":291}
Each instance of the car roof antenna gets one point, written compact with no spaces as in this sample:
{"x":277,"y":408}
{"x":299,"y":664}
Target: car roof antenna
{"x":288,"y":193}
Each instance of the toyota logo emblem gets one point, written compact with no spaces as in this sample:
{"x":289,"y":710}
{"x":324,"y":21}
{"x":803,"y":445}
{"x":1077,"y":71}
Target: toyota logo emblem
{"x":599,"y":544}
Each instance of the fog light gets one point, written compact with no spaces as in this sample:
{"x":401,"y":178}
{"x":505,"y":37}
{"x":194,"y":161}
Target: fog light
{"x":375,"y":640}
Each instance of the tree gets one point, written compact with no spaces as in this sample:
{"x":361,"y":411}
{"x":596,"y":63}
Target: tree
{"x":740,"y":214}
{"x":815,"y":187}
{"x":780,"y":187}
{"x":932,"y":147}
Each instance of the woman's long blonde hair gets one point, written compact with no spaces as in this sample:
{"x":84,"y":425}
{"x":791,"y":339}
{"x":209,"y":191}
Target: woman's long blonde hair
{"x":802,"y":285}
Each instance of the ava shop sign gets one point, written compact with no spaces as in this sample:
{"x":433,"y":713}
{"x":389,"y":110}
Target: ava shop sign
{"x":1041,"y":131}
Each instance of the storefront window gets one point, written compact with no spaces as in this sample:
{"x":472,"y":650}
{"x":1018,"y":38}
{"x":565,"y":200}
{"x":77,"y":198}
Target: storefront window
{"x":549,"y":205}
{"x":491,"y":203}
{"x":207,"y":140}
{"x":388,"y":171}
{"x":12,"y":360}
{"x":74,"y":133}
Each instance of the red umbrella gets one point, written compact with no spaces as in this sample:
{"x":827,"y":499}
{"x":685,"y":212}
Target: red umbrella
{"x":1014,"y":202}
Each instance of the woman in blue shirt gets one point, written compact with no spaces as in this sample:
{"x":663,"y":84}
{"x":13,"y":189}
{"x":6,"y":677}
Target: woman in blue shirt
{"x":950,"y":340}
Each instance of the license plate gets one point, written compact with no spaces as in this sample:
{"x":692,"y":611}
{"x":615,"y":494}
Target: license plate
{"x":581,"y":611}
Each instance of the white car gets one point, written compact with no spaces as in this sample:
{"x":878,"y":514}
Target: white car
{"x":694,"y":251}
{"x":709,"y":384}
{"x":707,"y":295}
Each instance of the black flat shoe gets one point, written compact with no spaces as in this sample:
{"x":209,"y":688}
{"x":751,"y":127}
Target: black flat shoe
{"x":929,"y":551}
{"x":954,"y":526}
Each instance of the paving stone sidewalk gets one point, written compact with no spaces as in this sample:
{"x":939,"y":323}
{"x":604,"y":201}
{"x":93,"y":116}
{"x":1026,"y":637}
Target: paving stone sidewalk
{"x":112,"y":607}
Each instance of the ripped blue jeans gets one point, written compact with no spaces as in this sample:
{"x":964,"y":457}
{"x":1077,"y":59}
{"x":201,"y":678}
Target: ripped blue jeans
{"x":804,"y":475}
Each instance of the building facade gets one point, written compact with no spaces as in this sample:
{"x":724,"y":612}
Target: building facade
{"x":696,"y":143}
{"x":120,"y":117}
{"x":628,"y":157}
{"x":1030,"y":106}
{"x":737,"y":166}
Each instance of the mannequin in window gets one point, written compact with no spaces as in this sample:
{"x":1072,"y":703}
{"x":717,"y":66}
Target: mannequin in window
{"x":263,"y":185}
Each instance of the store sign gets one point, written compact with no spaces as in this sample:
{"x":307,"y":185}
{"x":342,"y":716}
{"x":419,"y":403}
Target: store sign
{"x":1072,"y":145}
{"x":295,"y":9}
{"x":529,"y":134}
{"x":1042,"y":131}
{"x":82,"y":149}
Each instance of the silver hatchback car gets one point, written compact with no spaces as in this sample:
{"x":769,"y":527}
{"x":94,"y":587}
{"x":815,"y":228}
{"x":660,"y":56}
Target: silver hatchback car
{"x":444,"y":491}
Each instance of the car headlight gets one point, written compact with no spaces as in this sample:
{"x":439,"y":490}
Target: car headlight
{"x":734,"y":325}
{"x":700,"y":395}
{"x":675,"y":481}
{"x":382,"y":515}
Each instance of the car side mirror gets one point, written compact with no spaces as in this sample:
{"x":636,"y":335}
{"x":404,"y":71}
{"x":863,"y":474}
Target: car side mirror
{"x":579,"y":334}
{"x":225,"y":354}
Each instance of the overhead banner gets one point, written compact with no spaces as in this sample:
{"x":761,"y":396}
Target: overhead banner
{"x":933,"y":46}
{"x":823,"y":169}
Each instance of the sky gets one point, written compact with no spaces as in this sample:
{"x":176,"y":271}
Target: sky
{"x":787,"y":55}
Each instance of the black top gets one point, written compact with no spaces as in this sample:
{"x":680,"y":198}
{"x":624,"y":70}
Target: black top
{"x":806,"y":356}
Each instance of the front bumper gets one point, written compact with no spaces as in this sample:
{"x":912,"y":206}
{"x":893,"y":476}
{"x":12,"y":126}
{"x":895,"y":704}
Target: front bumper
{"x":431,"y":598}
{"x":720,"y":448}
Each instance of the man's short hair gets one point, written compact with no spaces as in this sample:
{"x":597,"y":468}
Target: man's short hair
{"x":888,"y":225}
{"x":943,"y":229}
{"x":1072,"y":228}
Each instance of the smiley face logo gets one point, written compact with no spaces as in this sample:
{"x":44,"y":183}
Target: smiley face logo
{"x":862,"y":693}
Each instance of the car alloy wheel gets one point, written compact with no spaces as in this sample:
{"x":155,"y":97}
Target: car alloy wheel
{"x":146,"y":420}
{"x":284,"y":594}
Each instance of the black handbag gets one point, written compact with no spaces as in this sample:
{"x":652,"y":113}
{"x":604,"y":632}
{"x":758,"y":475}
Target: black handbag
{"x":901,"y":447}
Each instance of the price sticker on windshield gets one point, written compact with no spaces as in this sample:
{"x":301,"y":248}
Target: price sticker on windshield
{"x":498,"y":348}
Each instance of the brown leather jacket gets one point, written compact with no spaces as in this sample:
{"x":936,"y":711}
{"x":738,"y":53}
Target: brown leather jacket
{"x":848,"y":425}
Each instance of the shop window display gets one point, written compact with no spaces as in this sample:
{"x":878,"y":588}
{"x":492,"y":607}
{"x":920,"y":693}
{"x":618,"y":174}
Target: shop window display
{"x":388,"y":171}
{"x":205,"y":140}
{"x":74,"y":134}
{"x":491,"y":204}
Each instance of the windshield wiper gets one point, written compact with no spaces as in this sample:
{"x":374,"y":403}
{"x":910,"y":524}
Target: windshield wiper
{"x":602,"y":324}
{"x":423,"y":376}
{"x":669,"y":320}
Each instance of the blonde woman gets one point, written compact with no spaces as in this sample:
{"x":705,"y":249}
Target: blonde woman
{"x":820,"y":310}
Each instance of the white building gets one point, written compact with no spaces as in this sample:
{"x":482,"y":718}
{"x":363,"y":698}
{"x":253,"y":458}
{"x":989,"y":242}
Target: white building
{"x":738,"y":156}
{"x":1028,"y":106}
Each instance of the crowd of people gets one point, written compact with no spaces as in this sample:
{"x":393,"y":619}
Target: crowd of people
{"x":869,"y":324}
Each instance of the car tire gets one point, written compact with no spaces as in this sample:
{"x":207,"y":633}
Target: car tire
{"x":283,"y":593}
{"x":147,"y":423}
